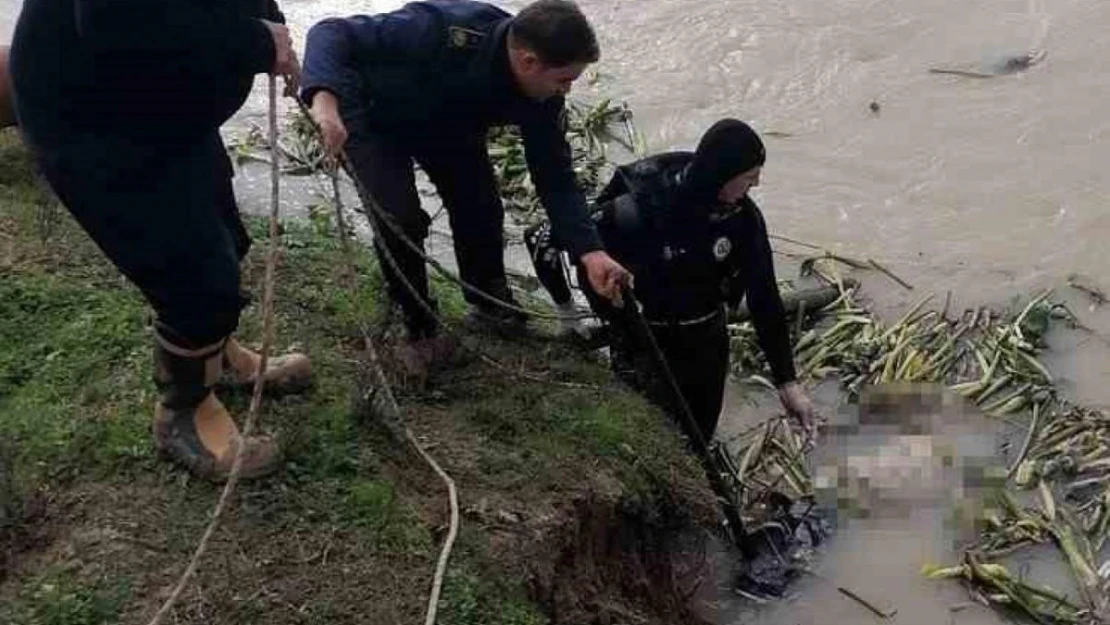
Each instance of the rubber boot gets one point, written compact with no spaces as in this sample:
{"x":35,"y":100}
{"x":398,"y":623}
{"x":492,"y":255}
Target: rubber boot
{"x":191,"y":426}
{"x":284,"y":374}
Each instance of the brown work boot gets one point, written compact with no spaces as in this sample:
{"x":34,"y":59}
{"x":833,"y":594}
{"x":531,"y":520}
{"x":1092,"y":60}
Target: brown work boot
{"x":284,"y":374}
{"x":192,"y":427}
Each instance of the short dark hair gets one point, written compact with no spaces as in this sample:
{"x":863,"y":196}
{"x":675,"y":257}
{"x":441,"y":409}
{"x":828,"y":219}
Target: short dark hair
{"x":557,"y":32}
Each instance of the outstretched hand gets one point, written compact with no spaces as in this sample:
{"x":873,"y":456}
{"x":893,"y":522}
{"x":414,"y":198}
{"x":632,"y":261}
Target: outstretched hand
{"x":606,"y":275}
{"x":798,"y":405}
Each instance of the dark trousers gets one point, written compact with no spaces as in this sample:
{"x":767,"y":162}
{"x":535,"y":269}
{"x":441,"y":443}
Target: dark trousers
{"x":459,"y":167}
{"x":698,"y":357}
{"x":165,"y":215}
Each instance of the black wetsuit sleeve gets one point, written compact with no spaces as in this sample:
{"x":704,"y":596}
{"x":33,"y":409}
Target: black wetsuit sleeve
{"x":756,"y":280}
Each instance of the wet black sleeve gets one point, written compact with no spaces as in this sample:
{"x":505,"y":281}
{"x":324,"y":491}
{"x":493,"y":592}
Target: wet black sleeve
{"x":209,"y":41}
{"x":552,"y":170}
{"x":756,"y":280}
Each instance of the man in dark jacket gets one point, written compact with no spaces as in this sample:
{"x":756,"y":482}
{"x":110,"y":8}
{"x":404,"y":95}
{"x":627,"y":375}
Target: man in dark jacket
{"x":121,"y":102}
{"x":686,"y":227}
{"x":425,"y":83}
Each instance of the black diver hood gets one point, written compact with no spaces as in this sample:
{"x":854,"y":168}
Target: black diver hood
{"x":730,"y":147}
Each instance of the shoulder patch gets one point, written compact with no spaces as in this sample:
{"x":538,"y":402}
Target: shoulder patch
{"x":721,"y":248}
{"x":461,"y":37}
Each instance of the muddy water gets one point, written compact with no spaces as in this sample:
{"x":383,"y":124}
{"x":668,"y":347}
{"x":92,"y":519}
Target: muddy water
{"x":985,"y":188}
{"x":898,"y":475}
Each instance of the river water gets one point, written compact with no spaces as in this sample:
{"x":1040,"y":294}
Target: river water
{"x":987,"y":188}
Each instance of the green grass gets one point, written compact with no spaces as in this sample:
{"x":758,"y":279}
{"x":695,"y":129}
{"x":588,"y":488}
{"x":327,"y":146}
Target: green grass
{"x":374,"y":505}
{"x":55,"y":597}
{"x":73,"y":387}
{"x":539,"y":440}
{"x":468,"y":599}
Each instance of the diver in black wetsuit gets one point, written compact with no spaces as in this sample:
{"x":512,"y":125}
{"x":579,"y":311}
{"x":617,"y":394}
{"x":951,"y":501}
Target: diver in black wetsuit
{"x":685,"y":227}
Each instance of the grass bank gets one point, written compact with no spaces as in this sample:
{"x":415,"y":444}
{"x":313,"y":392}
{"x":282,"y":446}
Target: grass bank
{"x":580,"y":504}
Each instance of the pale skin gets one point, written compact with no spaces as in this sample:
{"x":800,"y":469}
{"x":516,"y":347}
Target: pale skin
{"x":536,"y":80}
{"x":793,"y":397}
{"x":285,"y":58}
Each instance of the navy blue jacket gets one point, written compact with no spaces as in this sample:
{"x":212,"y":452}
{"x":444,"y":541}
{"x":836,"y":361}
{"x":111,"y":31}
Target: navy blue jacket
{"x":167,"y":70}
{"x":442,"y":66}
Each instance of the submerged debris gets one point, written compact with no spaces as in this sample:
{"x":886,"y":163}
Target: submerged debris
{"x":1087,"y":286}
{"x":778,"y":552}
{"x":1002,"y":65}
{"x":991,"y":359}
{"x":591,"y":129}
